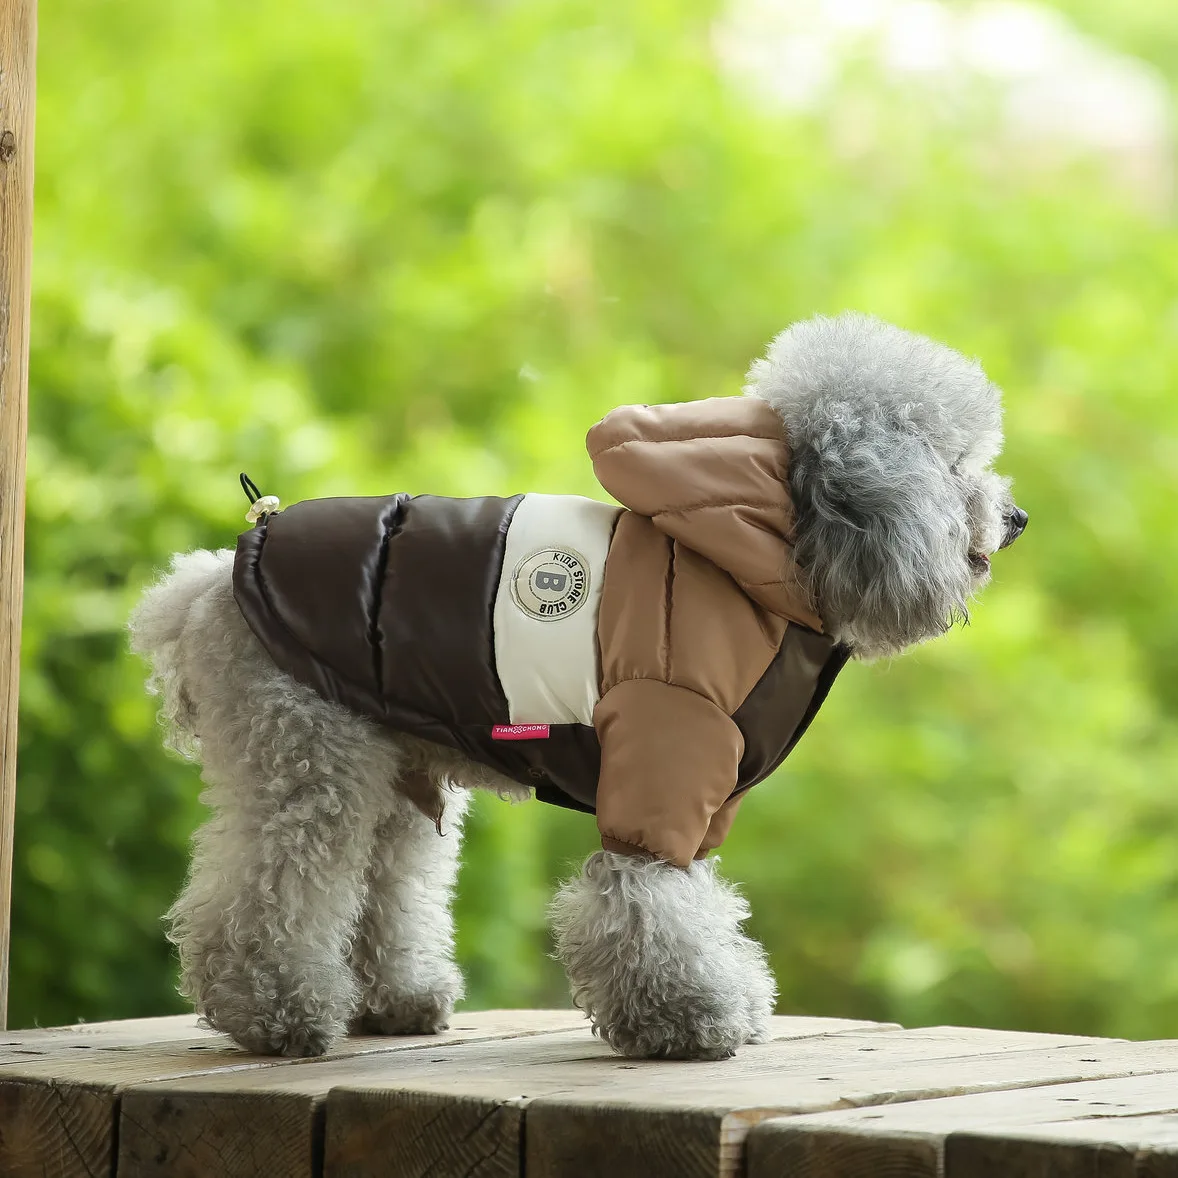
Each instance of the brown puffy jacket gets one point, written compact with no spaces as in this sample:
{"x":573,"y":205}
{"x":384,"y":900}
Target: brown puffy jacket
{"x":649,"y":663}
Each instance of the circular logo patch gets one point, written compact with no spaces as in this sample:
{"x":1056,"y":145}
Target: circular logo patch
{"x":550,"y":584}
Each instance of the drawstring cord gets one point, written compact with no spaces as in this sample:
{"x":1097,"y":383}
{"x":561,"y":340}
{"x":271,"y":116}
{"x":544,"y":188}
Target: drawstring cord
{"x":260,"y":505}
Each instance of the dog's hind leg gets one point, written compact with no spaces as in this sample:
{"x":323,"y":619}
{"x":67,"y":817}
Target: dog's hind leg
{"x":403,"y":956}
{"x":265,"y":922}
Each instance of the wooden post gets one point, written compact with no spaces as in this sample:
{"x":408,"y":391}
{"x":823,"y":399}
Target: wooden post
{"x":18,"y":41}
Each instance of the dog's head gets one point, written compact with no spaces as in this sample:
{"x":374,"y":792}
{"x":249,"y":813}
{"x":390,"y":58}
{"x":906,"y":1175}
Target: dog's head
{"x":892,"y":440}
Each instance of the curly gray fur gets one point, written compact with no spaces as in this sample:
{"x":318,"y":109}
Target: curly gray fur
{"x":655,"y":955}
{"x":892,"y":436}
{"x":319,"y":895}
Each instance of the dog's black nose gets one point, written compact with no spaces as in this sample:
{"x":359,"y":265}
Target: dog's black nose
{"x":1016,"y":524}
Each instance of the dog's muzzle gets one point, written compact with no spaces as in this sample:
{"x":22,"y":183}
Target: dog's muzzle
{"x":1016,"y":524}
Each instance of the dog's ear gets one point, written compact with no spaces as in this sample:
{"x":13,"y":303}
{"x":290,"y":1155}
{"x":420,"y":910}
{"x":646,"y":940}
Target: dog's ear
{"x":881,"y":532}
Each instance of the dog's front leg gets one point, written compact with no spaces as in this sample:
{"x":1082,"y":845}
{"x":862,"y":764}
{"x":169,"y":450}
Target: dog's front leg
{"x":655,"y":955}
{"x":404,"y":954}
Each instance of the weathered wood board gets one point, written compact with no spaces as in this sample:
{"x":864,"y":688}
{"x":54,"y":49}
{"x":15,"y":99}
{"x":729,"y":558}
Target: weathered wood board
{"x":60,"y":1089}
{"x":582,"y":1110}
{"x":510,"y":1092}
{"x":165,"y":1127}
{"x":18,"y":54}
{"x":1104,"y":1128}
{"x":566,"y":1101}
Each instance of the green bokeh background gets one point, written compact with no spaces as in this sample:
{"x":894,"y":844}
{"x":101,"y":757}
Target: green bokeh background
{"x":362,"y":247}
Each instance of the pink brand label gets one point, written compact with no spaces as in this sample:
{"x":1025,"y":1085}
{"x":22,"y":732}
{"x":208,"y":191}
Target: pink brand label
{"x":519,"y":732}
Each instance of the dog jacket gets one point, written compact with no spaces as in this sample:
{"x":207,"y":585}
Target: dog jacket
{"x":648,"y":662}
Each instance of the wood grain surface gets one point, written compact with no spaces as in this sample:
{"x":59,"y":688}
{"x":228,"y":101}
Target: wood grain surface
{"x":18,"y":42}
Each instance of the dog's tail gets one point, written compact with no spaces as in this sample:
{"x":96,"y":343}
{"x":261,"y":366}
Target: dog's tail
{"x":157,"y":627}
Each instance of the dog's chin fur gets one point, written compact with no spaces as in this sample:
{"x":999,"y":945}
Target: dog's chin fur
{"x":892,"y":436}
{"x":656,"y":957}
{"x":319,"y":895}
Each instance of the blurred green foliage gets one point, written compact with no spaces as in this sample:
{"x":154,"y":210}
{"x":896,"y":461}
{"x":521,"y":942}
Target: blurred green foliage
{"x":360,"y":248}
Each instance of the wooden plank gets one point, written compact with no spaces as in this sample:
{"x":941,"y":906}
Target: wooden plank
{"x":18,"y":47}
{"x":168,"y":1030}
{"x":584,"y":1107}
{"x":1135,"y":1156}
{"x":904,"y":1066}
{"x":58,"y":1108}
{"x":125,"y":1030}
{"x":46,"y":1130}
{"x":200,"y":1126}
{"x":52,"y":1042}
{"x":563,"y":1069}
{"x":425,"y":1133}
{"x":802,"y":1149}
{"x":1013,"y":1131}
{"x":165,"y":1128}
{"x":638,"y":1140}
{"x":482,"y":1134}
{"x":1115,"y":1129}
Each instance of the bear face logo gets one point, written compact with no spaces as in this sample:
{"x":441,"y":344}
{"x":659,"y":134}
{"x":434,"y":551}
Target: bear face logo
{"x":550,"y":584}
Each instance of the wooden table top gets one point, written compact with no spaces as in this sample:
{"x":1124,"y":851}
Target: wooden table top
{"x":506,"y":1093}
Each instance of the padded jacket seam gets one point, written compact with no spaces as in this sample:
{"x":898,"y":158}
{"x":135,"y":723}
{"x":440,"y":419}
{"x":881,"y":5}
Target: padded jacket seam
{"x":684,"y":441}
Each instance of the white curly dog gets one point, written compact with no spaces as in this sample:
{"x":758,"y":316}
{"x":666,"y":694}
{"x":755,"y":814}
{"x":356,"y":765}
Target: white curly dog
{"x":358,"y":665}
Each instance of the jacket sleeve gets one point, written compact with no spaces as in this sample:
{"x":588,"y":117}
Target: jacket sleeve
{"x":669,"y":760}
{"x":681,"y":647}
{"x":720,"y":825}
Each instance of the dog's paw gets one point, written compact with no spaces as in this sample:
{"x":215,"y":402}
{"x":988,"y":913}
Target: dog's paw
{"x":760,"y":994}
{"x":407,"y":1014}
{"x":277,"y":1035}
{"x":656,"y":956}
{"x":759,"y":1033}
{"x":690,"y":1027}
{"x":410,"y":1002}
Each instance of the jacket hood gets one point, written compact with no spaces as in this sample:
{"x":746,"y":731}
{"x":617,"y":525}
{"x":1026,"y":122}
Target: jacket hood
{"x":713,"y":475}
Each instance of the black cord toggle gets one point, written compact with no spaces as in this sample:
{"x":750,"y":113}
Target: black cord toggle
{"x":260,"y":505}
{"x":250,"y":488}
